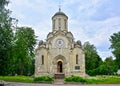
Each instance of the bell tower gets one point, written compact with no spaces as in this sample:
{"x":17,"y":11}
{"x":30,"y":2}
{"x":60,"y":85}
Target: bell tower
{"x":60,"y":21}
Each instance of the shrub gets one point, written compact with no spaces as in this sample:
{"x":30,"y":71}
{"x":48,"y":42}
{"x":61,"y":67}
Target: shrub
{"x":43,"y":79}
{"x":74,"y":79}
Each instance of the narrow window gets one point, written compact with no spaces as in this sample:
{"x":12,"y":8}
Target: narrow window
{"x":65,"y":24}
{"x":42,"y":59}
{"x":76,"y":59}
{"x":53,"y":24}
{"x":59,"y":22}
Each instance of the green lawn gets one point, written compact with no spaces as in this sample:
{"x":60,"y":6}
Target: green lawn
{"x":44,"y":79}
{"x":17,"y":78}
{"x":103,"y":80}
{"x":91,"y":80}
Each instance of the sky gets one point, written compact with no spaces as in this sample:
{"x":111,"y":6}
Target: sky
{"x":89,"y":20}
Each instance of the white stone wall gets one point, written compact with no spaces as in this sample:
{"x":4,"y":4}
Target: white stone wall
{"x":60,"y":22}
{"x":66,"y":53}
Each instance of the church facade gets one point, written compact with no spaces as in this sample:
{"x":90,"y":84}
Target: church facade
{"x":60,"y":53}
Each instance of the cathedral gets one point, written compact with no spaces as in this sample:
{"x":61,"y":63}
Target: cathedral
{"x":59,"y":55}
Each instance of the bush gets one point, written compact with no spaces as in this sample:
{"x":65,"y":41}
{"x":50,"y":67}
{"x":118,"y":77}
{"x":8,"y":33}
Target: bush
{"x":74,"y":79}
{"x":43,"y":79}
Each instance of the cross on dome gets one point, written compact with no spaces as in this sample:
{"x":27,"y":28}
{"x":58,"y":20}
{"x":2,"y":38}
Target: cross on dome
{"x":60,"y":7}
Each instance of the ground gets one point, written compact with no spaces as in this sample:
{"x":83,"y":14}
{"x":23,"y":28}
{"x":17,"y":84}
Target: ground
{"x":37,"y":84}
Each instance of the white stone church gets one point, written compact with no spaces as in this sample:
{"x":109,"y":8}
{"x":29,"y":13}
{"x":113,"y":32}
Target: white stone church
{"x":60,"y":54}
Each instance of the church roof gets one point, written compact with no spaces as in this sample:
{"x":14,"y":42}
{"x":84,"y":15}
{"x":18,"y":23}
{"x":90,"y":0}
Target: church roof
{"x":60,"y":13}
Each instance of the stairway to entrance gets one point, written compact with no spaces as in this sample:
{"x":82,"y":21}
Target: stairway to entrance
{"x":59,"y":76}
{"x":59,"y":81}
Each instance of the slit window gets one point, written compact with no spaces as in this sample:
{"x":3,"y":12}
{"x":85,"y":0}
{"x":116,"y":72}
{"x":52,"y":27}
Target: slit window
{"x":76,"y":59}
{"x":42,"y":59}
{"x":59,"y":22}
{"x":65,"y":24}
{"x":53,"y":24}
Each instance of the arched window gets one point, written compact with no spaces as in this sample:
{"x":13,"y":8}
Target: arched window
{"x":42,"y":59}
{"x":76,"y":59}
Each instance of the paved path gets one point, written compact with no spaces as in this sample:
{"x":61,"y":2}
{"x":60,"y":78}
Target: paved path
{"x":59,"y":82}
{"x":37,"y":84}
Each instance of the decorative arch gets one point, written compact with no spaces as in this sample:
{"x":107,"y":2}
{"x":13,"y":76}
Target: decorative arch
{"x":59,"y":58}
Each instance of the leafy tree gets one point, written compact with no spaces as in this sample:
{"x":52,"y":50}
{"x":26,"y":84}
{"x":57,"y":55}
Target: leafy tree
{"x":115,"y":45}
{"x":110,"y":65}
{"x":6,"y":38}
{"x":92,"y":59}
{"x":25,"y":41}
{"x":16,"y":50}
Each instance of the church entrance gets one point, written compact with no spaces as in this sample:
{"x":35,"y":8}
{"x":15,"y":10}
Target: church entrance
{"x":59,"y":67}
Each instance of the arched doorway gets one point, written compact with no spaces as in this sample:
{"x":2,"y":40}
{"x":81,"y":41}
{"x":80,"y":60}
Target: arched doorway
{"x":59,"y":67}
{"x":59,"y":63}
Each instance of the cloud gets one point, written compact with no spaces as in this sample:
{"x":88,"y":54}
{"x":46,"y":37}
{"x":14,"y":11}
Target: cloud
{"x":89,"y":20}
{"x":104,"y":53}
{"x":105,"y":30}
{"x":97,"y":33}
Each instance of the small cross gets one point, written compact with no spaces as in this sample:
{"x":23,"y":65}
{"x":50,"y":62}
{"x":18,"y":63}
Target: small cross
{"x":60,"y":7}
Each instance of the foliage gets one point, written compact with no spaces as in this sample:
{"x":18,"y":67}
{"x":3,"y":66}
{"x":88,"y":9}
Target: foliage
{"x":115,"y":46}
{"x":94,"y":64}
{"x":92,"y":59}
{"x":6,"y":38}
{"x":17,"y":78}
{"x":25,"y":41}
{"x":74,"y":79}
{"x":16,"y":45}
{"x":43,"y":79}
{"x":108,"y":67}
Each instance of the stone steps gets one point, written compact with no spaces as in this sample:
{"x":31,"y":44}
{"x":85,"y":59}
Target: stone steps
{"x":59,"y":81}
{"x":59,"y":76}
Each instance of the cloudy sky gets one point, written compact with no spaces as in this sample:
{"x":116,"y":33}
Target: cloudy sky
{"x":89,"y":20}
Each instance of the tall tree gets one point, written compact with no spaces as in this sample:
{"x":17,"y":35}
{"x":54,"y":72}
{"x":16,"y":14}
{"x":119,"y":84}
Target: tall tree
{"x":92,"y":59}
{"x":115,"y":46}
{"x":6,"y":38}
{"x":25,"y":41}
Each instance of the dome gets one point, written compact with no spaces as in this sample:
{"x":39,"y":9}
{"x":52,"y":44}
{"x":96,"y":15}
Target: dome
{"x":60,"y":13}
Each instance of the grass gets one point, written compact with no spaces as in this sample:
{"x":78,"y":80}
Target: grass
{"x":44,"y":79}
{"x":103,"y":80}
{"x":95,"y":80}
{"x":17,"y":78}
{"x":91,"y":80}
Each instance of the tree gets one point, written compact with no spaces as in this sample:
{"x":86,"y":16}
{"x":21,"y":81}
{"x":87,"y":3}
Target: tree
{"x":25,"y":41}
{"x":16,"y":50}
{"x":6,"y":38}
{"x":92,"y":59}
{"x":115,"y":46}
{"x":110,"y":65}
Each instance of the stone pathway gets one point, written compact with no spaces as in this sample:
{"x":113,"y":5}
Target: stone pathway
{"x":59,"y":81}
{"x":55,"y":84}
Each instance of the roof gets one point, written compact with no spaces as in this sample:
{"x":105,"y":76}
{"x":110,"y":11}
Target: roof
{"x":60,"y":13}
